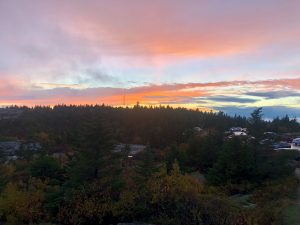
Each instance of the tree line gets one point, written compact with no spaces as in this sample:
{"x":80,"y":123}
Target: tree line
{"x":182,"y":177}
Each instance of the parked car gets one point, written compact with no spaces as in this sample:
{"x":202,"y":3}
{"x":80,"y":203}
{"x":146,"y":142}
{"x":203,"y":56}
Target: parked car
{"x":296,"y":141}
{"x":282,"y":144}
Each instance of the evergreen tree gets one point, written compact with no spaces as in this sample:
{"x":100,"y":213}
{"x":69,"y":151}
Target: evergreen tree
{"x":256,"y":123}
{"x":174,"y":153}
{"x":236,"y":164}
{"x":95,"y":158}
{"x":145,"y":167}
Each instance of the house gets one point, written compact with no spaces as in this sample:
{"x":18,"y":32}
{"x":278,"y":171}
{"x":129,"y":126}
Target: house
{"x":239,"y":133}
{"x":135,"y":149}
{"x":236,"y":132}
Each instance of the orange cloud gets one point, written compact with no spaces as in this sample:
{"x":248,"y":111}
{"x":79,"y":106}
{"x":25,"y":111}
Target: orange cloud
{"x":190,"y":95}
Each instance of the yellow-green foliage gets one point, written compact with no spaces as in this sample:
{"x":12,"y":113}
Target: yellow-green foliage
{"x":175,"y":197}
{"x":87,"y":205}
{"x":22,"y":205}
{"x":271,"y":201}
{"x":175,"y":186}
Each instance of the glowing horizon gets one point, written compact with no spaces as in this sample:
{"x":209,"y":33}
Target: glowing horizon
{"x":212,"y":55}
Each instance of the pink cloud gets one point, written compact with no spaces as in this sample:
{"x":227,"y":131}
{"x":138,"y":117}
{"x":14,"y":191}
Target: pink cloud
{"x":202,"y":28}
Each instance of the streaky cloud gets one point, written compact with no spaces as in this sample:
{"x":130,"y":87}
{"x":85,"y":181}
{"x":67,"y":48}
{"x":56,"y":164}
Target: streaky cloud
{"x":274,"y":94}
{"x":230,"y":99}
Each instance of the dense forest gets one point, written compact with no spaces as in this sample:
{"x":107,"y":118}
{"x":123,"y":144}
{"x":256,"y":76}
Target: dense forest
{"x":189,"y":172}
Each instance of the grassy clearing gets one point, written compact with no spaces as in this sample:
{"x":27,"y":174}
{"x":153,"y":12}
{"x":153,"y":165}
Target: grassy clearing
{"x":292,"y":215}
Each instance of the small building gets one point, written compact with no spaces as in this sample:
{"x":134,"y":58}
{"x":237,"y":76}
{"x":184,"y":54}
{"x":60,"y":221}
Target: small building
{"x":132,"y":149}
{"x":236,"y":132}
{"x":239,"y":133}
{"x":235,"y":129}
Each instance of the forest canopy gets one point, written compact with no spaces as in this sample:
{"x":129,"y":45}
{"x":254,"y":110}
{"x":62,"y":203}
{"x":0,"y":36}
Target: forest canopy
{"x":172,"y":166}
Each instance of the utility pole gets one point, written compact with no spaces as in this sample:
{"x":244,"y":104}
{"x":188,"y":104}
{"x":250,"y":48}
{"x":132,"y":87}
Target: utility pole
{"x":124,"y":97}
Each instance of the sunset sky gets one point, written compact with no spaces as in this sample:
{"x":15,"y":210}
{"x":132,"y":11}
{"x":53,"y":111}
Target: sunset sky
{"x":231,"y":55}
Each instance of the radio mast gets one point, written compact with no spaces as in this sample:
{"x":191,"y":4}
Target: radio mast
{"x":124,"y":97}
